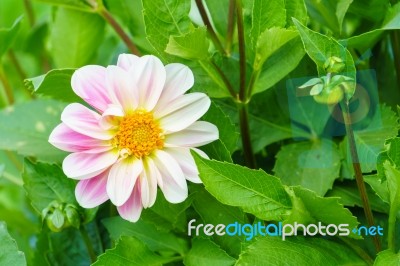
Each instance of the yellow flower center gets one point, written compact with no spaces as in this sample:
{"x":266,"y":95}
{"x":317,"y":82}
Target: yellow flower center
{"x":138,"y":135}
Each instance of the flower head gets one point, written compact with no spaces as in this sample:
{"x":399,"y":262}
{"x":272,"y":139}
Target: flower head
{"x":136,"y":136}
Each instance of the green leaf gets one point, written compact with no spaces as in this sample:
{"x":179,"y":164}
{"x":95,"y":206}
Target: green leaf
{"x":7,"y":36}
{"x":165,"y":18}
{"x":393,"y":184}
{"x":295,"y":9}
{"x":45,"y":183}
{"x":370,"y":141}
{"x":192,"y":45}
{"x":265,"y":15}
{"x":130,"y":251}
{"x":269,"y":42}
{"x":341,"y":10}
{"x":75,"y":37}
{"x":298,"y":251}
{"x":258,"y":193}
{"x":324,"y":210}
{"x":147,"y":233}
{"x":9,"y":254}
{"x":212,"y":211}
{"x":219,"y":11}
{"x":320,"y":48}
{"x":26,"y":126}
{"x":368,"y":39}
{"x":204,"y":252}
{"x":314,"y":165}
{"x":227,"y":130}
{"x":74,"y":4}
{"x":56,"y":84}
{"x":279,"y":65}
{"x":387,"y":257}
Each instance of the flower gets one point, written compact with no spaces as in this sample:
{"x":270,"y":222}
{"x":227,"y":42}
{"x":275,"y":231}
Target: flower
{"x":137,"y":137}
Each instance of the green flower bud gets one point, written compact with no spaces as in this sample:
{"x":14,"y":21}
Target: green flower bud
{"x":72,"y":215}
{"x":59,"y":216}
{"x":331,"y":96}
{"x":55,"y":221}
{"x":334,"y":64}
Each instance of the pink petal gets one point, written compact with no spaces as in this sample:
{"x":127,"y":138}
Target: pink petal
{"x":186,"y":162}
{"x":126,"y":61}
{"x":66,"y":139}
{"x":148,"y":186}
{"x":88,"y":82}
{"x":183,"y":111}
{"x":149,"y":73}
{"x":197,"y":134}
{"x":85,"y":121}
{"x":122,"y":88}
{"x":84,"y":165}
{"x":132,"y":208}
{"x":122,"y":179}
{"x":91,"y":192}
{"x":110,"y":118}
{"x":174,"y":184}
{"x":179,"y":80}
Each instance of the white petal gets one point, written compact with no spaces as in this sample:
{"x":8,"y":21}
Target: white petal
{"x":66,"y":139}
{"x":153,"y":171}
{"x":84,"y":165}
{"x":149,"y":74}
{"x":179,"y":80}
{"x":197,"y":134}
{"x":132,"y":208}
{"x":174,"y":184}
{"x":183,"y":111}
{"x":126,"y":61}
{"x":85,"y":121}
{"x":122,"y":88}
{"x":88,"y":82}
{"x":186,"y":162}
{"x":110,"y":118}
{"x":122,"y":178}
{"x":148,"y":183}
{"x":91,"y":192}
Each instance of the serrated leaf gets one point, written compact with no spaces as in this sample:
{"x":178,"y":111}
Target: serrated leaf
{"x":45,"y":183}
{"x":204,"y":252}
{"x":387,"y":257}
{"x":7,"y":36}
{"x":9,"y":254}
{"x":279,"y":65}
{"x":393,"y":184}
{"x":26,"y":126}
{"x":163,"y":19}
{"x":130,"y":251}
{"x":147,"y":233}
{"x":370,"y":141}
{"x":213,"y":212}
{"x":254,"y":191}
{"x":75,"y":37}
{"x":298,"y":251}
{"x":313,"y":165}
{"x":265,"y":15}
{"x":320,"y":47}
{"x":192,"y":45}
{"x":55,"y":84}
{"x":325,"y":210}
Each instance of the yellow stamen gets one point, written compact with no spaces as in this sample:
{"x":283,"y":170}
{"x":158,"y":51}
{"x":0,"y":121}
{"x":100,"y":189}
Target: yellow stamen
{"x":138,"y":135}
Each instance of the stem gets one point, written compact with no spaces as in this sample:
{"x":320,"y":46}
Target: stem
{"x":210,"y":29}
{"x":242,"y":51}
{"x":231,"y":27}
{"x":253,"y":78}
{"x":29,"y":12}
{"x":357,"y":171}
{"x":360,"y":252}
{"x":395,"y":40}
{"x":245,"y":134}
{"x":88,"y":243}
{"x":392,"y":227}
{"x":118,"y":29}
{"x":17,"y":65}
{"x":14,"y":160}
{"x":7,"y":87}
{"x":225,"y":80}
{"x":13,"y":179}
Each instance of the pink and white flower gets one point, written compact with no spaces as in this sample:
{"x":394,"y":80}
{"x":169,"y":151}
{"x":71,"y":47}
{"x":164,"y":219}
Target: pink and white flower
{"x":137,"y":136}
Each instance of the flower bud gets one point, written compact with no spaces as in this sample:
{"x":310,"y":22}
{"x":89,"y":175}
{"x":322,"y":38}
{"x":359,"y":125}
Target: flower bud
{"x":334,"y":64}
{"x":60,"y":215}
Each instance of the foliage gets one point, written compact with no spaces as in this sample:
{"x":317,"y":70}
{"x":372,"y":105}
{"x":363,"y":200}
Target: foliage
{"x":280,"y":75}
